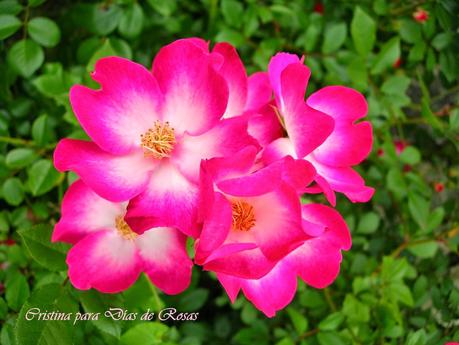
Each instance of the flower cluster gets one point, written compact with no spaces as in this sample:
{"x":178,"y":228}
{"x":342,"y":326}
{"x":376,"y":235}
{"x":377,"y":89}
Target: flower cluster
{"x":196,"y":148}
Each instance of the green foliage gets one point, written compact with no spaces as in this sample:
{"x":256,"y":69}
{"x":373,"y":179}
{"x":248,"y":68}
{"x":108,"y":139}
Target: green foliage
{"x":399,"y":282}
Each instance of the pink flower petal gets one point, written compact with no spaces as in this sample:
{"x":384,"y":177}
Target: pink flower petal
{"x":196,"y":96}
{"x":259,"y":182}
{"x":165,"y":260}
{"x":231,"y":284}
{"x":249,"y":263}
{"x":227,"y":138}
{"x":215,"y":228}
{"x":231,"y":166}
{"x":264,"y":125}
{"x":347,"y":145}
{"x":125,"y":107}
{"x":278,"y":222}
{"x":298,"y":173}
{"x":350,"y":142}
{"x":276,"y":66}
{"x":83,"y":212}
{"x":278,"y":149}
{"x":169,"y":199}
{"x":233,"y":71}
{"x":326,"y":188}
{"x":259,"y":91}
{"x":346,"y":181}
{"x":318,"y":260}
{"x":272,"y":292}
{"x":104,"y":261}
{"x":342,"y":103}
{"x":336,"y":227}
{"x":115,"y":178}
{"x":306,"y":127}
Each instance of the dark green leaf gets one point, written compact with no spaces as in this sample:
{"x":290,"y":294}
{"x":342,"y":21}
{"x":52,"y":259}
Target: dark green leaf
{"x":17,"y":291}
{"x":20,"y":157}
{"x":387,"y":56}
{"x":363,"y":31}
{"x":131,"y":21}
{"x":38,"y":242}
{"x":25,"y":57}
{"x":31,"y":331}
{"x":9,"y":24}
{"x":151,"y":333}
{"x":44,"y":31}
{"x":42,"y":177}
{"x":13,"y":191}
{"x":335,"y":35}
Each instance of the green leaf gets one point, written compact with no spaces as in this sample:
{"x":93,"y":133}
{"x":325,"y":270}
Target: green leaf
{"x":449,"y":65}
{"x":3,"y":309}
{"x":363,"y":32}
{"x":335,"y":35}
{"x":331,"y":322}
{"x":396,"y":183}
{"x":105,"y":50}
{"x":9,"y":24}
{"x":13,"y":191}
{"x":410,"y":31}
{"x":419,"y":209}
{"x":410,"y":155}
{"x":42,"y":177}
{"x":329,"y":338}
{"x":17,"y":290}
{"x":424,"y":250}
{"x":354,"y":310}
{"x":232,"y":12}
{"x":386,"y":57}
{"x":394,"y":269}
{"x":396,"y":85}
{"x":312,"y":35}
{"x":35,"y":3}
{"x":418,"y":52}
{"x":103,"y":19}
{"x":358,"y":73}
{"x":10,"y":7}
{"x":131,"y":21}
{"x":40,"y":130}
{"x":19,"y":158}
{"x":454,"y":119}
{"x":400,"y":292}
{"x":163,"y":7}
{"x":298,"y":319}
{"x":96,"y":302}
{"x":369,"y":223}
{"x":44,"y":31}
{"x":25,"y":57}
{"x":435,"y":218}
{"x":442,"y":40}
{"x":193,"y":300}
{"x":417,"y":338}
{"x":151,"y":333}
{"x":37,"y":240}
{"x":50,"y":297}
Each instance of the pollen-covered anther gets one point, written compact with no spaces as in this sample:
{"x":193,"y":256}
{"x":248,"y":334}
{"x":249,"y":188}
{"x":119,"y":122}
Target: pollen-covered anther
{"x":243,"y":216}
{"x":124,"y":229}
{"x":159,"y":141}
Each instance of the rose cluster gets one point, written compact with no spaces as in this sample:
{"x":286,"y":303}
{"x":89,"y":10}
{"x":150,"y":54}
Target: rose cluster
{"x":195,"y":148}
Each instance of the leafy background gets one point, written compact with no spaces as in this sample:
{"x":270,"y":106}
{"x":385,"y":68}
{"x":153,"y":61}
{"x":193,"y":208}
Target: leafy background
{"x":400,"y":281}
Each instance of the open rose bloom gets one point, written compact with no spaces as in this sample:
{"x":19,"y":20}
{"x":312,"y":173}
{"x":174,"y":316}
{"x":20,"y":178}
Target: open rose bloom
{"x":196,"y":148}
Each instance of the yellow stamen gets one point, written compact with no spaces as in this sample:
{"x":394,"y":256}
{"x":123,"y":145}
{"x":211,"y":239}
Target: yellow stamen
{"x":158,"y":141}
{"x":243,"y":216}
{"x":124,"y":229}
